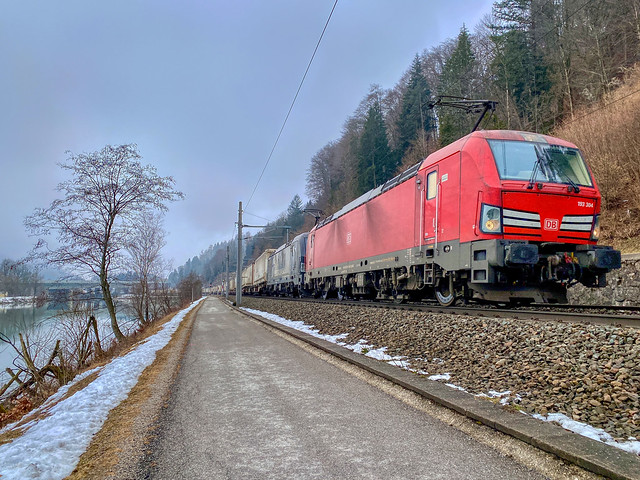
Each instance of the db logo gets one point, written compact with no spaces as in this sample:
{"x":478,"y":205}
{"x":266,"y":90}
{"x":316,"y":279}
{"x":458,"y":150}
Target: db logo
{"x":551,"y":224}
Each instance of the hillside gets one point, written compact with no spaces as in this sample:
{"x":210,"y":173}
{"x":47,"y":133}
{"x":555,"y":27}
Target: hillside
{"x":609,"y":137}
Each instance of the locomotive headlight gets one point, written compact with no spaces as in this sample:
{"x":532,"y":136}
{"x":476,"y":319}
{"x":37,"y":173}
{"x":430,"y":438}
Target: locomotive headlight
{"x":595,"y":230}
{"x":490,"y":219}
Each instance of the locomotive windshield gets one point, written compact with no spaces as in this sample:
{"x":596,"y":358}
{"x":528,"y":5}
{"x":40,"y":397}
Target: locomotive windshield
{"x":539,"y":162}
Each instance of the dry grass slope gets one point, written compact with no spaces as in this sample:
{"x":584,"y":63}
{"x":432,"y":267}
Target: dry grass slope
{"x":609,"y":137}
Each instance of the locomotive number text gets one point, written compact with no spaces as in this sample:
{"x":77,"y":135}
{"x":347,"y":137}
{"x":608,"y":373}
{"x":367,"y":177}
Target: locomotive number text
{"x":585,"y":204}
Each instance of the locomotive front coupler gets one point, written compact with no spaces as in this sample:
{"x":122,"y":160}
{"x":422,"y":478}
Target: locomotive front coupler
{"x":562,"y":267}
{"x":587,"y":264}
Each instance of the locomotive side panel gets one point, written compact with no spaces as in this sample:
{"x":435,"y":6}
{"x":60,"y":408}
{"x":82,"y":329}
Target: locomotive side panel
{"x":382,"y":225}
{"x":479,"y":184}
{"x":442,"y":200}
{"x":278,"y":265}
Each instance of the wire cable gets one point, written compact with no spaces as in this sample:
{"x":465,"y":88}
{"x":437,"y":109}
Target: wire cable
{"x":602,"y":107}
{"x":293,"y":102}
{"x":257,"y":216}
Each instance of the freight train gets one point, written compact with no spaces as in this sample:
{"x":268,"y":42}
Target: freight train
{"x":498,"y":216}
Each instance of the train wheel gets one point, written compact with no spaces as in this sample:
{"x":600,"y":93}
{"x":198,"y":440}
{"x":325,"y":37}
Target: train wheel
{"x":444,"y":295}
{"x":399,"y":298}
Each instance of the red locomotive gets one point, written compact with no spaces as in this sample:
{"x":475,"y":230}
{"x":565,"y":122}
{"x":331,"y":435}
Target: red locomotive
{"x":500,"y":216}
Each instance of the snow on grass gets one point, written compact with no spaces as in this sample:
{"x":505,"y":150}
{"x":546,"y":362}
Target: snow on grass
{"x":633,"y":445}
{"x":50,"y":447}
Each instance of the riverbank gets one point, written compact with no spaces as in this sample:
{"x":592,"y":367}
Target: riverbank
{"x":17,"y":301}
{"x":79,"y":410}
{"x":42,"y":325}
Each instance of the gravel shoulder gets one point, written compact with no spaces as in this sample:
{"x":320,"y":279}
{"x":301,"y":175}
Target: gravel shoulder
{"x":589,"y":373}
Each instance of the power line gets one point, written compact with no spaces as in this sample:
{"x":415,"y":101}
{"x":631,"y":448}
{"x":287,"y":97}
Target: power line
{"x":257,"y":216}
{"x":293,"y":102}
{"x":552,"y":30}
{"x":600,"y":108}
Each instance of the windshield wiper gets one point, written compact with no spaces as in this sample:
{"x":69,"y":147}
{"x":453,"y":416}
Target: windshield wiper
{"x":576,"y":188}
{"x":538,"y":165}
{"x":533,"y":174}
{"x":559,"y":171}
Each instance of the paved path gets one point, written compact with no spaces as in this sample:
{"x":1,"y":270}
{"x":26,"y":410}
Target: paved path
{"x":250,"y":405}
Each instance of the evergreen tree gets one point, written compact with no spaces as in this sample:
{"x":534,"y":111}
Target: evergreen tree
{"x":295,"y":214}
{"x":457,"y":80}
{"x":519,"y":67}
{"x":416,"y":117}
{"x":375,"y":160}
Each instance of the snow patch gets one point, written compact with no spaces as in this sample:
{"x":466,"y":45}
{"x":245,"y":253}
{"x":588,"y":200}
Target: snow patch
{"x":632,"y":446}
{"x":361,"y":347}
{"x":457,"y":387}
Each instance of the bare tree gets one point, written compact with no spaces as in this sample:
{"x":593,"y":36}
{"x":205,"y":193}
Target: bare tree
{"x":144,"y":246}
{"x":18,"y":279}
{"x":92,"y":221}
{"x":189,"y":289}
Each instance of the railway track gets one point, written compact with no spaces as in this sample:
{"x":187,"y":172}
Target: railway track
{"x":627,"y":316}
{"x":594,"y":456}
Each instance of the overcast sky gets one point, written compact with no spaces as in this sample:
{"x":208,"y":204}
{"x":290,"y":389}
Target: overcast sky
{"x":202,"y":87}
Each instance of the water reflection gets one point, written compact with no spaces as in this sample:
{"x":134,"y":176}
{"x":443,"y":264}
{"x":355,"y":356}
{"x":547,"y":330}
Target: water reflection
{"x":23,"y":318}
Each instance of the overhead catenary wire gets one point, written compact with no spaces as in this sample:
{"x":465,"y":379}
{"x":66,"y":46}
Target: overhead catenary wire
{"x":293,"y":102}
{"x":258,"y":216}
{"x":602,"y":107}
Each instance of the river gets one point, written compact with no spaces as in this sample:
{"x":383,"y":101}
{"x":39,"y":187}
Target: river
{"x":44,"y":325}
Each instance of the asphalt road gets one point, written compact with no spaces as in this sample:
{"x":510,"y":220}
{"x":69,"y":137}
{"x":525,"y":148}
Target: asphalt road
{"x":248,"y":404}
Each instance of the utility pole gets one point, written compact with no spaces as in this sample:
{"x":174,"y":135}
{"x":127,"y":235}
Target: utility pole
{"x":226,"y":283}
{"x":239,"y":263}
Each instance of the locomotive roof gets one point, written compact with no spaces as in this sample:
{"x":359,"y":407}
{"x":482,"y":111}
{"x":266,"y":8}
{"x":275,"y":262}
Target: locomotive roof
{"x":441,"y":153}
{"x":362,"y":199}
{"x":521,"y":136}
{"x":283,"y":246}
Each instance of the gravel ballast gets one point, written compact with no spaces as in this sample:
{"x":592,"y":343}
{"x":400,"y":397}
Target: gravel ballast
{"x":590,"y":373}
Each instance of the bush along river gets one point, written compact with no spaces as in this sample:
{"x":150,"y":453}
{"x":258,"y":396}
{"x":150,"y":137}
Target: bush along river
{"x":42,"y":324}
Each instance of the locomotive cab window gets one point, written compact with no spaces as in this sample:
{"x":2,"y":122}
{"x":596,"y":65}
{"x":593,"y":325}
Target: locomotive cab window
{"x":432,"y":185}
{"x":539,"y":162}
